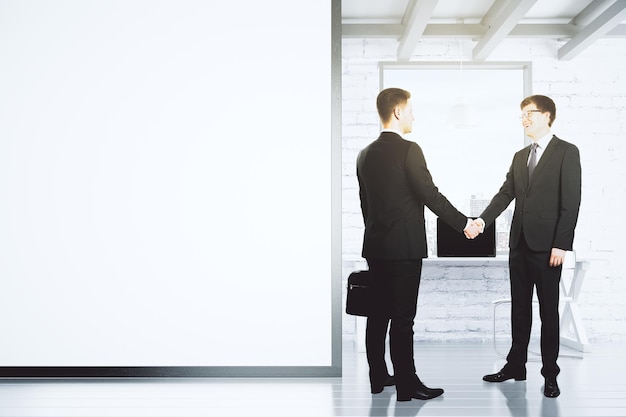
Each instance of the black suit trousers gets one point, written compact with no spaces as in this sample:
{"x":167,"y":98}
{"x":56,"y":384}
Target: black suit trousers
{"x":396,"y":285}
{"x":528,"y":270}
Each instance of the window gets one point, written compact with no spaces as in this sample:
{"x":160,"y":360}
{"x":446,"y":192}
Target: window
{"x":466,"y":121}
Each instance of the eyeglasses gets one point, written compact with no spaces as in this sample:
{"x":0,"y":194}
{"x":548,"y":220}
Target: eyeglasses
{"x":528,"y":113}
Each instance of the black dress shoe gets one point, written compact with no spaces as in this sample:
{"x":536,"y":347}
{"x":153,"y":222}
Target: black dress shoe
{"x":377,"y":388}
{"x":551,"y":388}
{"x":504,"y":376}
{"x":419,"y":393}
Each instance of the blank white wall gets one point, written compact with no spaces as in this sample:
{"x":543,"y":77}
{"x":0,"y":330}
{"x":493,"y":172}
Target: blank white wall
{"x":164,"y":173}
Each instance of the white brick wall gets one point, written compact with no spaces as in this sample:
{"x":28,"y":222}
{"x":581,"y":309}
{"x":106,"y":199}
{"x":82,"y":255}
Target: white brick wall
{"x":590,"y":92}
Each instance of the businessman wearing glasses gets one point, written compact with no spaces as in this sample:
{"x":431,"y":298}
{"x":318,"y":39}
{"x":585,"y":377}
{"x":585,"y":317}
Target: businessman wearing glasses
{"x":545,"y":181}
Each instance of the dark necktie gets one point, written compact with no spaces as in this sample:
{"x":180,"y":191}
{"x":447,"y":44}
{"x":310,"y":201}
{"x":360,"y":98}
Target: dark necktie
{"x":532,"y":163}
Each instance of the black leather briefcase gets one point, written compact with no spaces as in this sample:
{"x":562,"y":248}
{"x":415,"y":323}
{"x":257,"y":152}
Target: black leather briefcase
{"x":359,"y":296}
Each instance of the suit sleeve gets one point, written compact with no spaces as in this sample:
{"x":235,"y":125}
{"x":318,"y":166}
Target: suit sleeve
{"x":570,"y":191}
{"x":501,"y":200}
{"x":422,"y":183}
{"x":362,"y":189}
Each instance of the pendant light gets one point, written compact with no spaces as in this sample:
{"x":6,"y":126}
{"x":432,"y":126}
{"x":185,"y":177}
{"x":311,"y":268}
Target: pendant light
{"x":461,"y":114}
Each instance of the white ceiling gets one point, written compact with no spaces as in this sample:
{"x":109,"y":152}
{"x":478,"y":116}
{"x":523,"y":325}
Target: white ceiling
{"x":577,"y":22}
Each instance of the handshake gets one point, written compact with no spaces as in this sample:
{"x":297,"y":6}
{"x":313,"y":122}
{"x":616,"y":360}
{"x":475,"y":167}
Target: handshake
{"x":474,"y":228}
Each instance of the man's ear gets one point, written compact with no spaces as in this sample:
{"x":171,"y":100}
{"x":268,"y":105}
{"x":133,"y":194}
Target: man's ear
{"x":396,"y":112}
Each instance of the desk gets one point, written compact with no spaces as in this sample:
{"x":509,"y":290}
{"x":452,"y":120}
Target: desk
{"x":572,"y":330}
{"x":476,"y":267}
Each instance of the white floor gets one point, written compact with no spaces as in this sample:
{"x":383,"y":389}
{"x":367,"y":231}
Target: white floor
{"x":592,"y":386}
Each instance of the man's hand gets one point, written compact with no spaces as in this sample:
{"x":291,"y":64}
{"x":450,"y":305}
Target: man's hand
{"x":473,"y":229}
{"x":557,"y":257}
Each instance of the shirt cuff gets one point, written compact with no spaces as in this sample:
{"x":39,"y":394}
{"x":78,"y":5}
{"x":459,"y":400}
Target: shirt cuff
{"x":482,"y":224}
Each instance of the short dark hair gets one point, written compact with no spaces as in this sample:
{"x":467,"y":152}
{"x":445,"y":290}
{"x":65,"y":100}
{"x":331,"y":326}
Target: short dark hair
{"x":543,"y":103}
{"x":388,"y":100}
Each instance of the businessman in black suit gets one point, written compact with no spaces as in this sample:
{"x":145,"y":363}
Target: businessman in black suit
{"x":394,"y":187}
{"x":545,"y":181}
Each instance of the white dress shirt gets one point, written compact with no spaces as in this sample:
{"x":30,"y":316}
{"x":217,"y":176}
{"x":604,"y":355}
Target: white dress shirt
{"x":393,"y":131}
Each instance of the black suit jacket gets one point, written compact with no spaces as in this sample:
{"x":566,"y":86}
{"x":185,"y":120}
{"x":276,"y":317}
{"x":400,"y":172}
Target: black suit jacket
{"x":546,"y":208}
{"x":394,"y":187}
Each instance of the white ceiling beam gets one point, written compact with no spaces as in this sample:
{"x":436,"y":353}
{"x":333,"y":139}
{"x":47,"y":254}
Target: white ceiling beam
{"x":453,"y":30}
{"x":591,"y":12}
{"x":618,"y":32}
{"x":369,"y":30}
{"x":603,"y":24}
{"x":543,"y":30}
{"x":418,"y":20}
{"x":472,"y":31}
{"x":476,"y":31}
{"x":493,"y":13}
{"x":408,"y":12}
{"x":501,"y":26}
